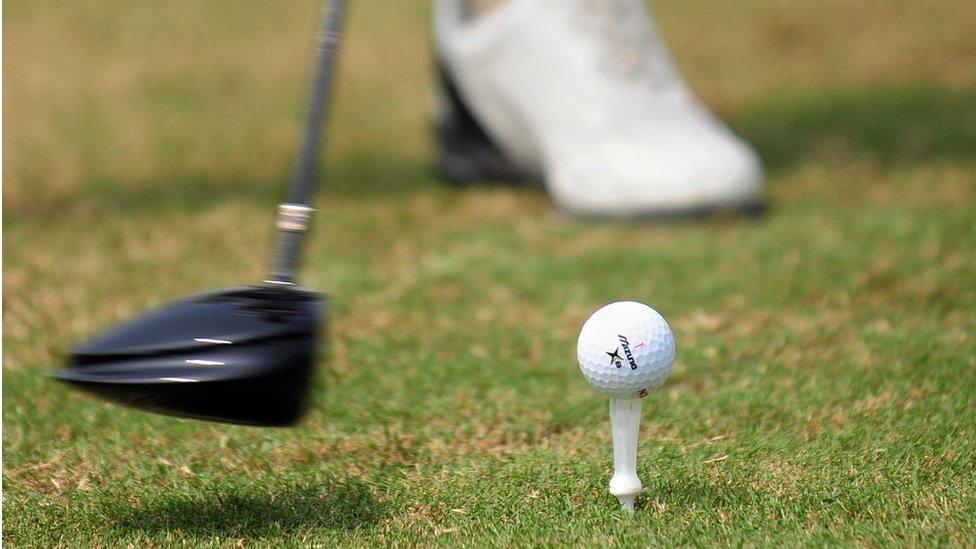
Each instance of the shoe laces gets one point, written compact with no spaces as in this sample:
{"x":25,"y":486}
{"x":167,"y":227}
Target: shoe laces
{"x":632,"y":49}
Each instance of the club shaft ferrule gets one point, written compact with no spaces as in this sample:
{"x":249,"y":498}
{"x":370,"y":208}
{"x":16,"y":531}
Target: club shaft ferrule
{"x":294,"y":217}
{"x":293,"y":222}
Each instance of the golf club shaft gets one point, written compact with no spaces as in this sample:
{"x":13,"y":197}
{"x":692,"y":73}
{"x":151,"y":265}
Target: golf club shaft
{"x":295,"y":214}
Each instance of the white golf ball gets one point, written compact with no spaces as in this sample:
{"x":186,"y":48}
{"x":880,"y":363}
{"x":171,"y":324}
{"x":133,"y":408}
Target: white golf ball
{"x":625,"y":349}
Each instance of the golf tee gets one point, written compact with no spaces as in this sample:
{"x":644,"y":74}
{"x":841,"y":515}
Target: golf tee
{"x":624,"y":425}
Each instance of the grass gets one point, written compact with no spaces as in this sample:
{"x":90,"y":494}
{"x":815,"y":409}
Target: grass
{"x":824,"y":391}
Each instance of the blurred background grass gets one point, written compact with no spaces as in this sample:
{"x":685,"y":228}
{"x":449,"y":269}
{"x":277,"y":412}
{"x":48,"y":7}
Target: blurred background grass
{"x":826,"y":349}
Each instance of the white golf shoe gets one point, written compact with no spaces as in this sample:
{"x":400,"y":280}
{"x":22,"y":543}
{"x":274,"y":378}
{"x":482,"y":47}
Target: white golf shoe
{"x":582,"y":94}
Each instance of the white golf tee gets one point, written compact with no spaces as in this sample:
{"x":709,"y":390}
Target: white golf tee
{"x":625,"y":416}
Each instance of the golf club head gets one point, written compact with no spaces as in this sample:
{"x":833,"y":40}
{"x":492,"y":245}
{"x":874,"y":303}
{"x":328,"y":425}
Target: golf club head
{"x":244,"y":355}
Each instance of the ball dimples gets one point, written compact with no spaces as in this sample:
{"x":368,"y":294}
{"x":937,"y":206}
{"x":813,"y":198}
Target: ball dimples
{"x":625,"y":349}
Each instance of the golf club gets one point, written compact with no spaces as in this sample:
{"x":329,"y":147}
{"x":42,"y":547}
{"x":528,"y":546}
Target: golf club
{"x":242,"y":355}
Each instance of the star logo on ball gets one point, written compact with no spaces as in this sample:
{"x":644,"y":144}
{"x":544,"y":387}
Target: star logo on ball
{"x":615,"y":358}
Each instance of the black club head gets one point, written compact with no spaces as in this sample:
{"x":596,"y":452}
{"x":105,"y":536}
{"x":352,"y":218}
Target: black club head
{"x":244,"y":355}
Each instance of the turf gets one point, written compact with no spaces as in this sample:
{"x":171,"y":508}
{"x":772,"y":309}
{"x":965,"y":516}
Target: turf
{"x":824,"y":386}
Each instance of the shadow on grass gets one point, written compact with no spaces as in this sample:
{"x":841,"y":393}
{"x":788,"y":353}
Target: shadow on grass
{"x":177,"y":192}
{"x":362,"y":174}
{"x":889,"y":124}
{"x":252,"y":512}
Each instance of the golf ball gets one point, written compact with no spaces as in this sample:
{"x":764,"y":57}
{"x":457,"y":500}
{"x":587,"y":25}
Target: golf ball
{"x":625,"y":349}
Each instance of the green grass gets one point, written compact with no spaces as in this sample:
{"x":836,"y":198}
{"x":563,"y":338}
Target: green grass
{"x":825,"y":386}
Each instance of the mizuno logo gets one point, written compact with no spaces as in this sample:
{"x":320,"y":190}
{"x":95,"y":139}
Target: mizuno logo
{"x":630,"y":357}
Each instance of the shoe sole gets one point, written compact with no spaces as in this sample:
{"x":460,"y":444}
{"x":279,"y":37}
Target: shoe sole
{"x":751,"y":209}
{"x":466,"y":155}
